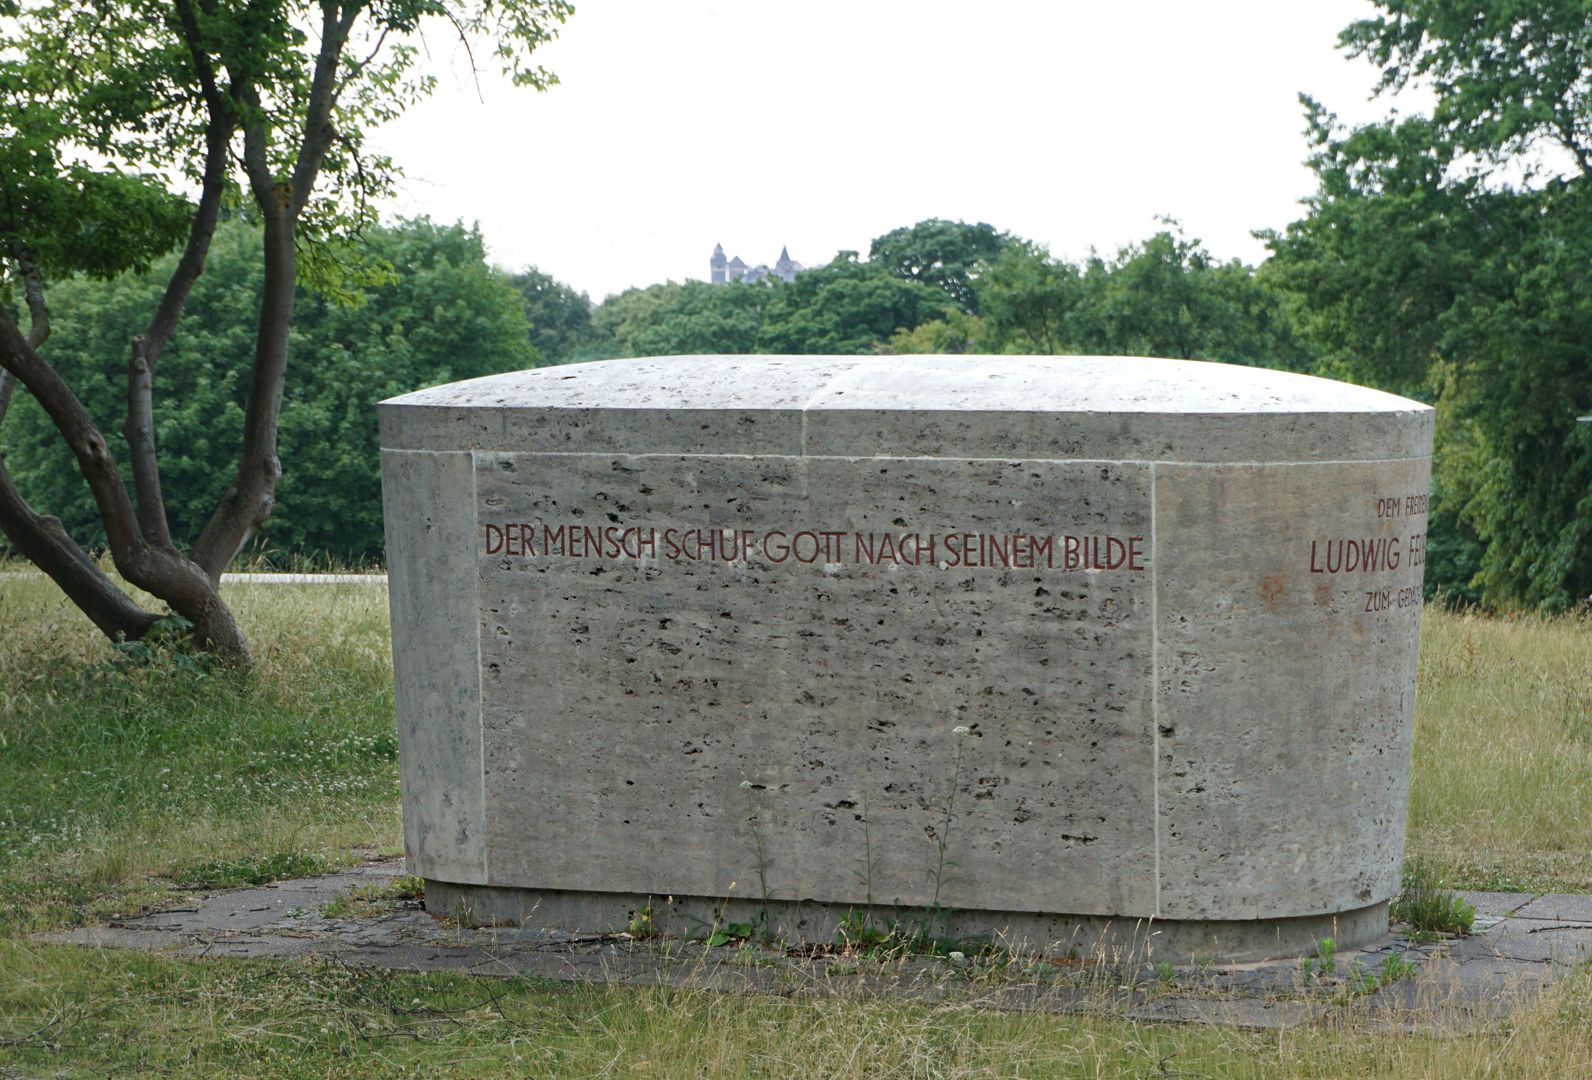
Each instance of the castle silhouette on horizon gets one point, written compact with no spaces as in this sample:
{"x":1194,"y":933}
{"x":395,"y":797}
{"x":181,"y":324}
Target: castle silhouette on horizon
{"x":725,"y":271}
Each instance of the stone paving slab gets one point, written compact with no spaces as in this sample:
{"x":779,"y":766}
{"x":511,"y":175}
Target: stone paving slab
{"x":1460,"y":983}
{"x":1559,"y":907}
{"x":1494,"y":905}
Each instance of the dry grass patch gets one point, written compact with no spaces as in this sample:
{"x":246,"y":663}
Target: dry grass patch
{"x":78,"y":1011}
{"x":117,"y":771}
{"x":1501,"y":791}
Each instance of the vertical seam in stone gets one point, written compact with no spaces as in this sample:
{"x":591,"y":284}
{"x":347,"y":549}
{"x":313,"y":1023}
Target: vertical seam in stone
{"x":1155,"y":691}
{"x":480,"y":683}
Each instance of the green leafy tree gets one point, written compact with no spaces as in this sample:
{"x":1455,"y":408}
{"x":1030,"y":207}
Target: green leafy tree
{"x":444,"y":315}
{"x":945,"y":254}
{"x":1164,"y":297}
{"x":1168,"y":297}
{"x":1450,"y":257}
{"x":1510,"y":75}
{"x":703,"y":318}
{"x":848,"y":307}
{"x":1029,"y":301}
{"x":559,"y":317}
{"x":952,"y":333}
{"x":1386,"y":249}
{"x":111,"y":113}
{"x":675,"y":319}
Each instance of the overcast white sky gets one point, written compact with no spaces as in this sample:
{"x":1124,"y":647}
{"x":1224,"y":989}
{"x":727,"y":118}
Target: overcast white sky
{"x":824,"y":123}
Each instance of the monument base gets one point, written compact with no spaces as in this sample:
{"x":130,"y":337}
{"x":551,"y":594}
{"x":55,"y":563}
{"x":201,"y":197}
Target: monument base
{"x":1119,"y":940}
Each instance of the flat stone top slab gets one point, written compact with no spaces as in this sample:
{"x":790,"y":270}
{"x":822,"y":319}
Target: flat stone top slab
{"x":1019,"y":384}
{"x":1075,"y":407}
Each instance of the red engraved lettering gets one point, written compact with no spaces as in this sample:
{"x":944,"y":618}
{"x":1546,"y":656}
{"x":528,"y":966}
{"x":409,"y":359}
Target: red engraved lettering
{"x":776,"y":551}
{"x":832,"y":550}
{"x":953,"y":550}
{"x":814,"y":546}
{"x":494,"y":539}
{"x":1022,"y":552}
{"x":998,"y":547}
{"x":1043,"y":550}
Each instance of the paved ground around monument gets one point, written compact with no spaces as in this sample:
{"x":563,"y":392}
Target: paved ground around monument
{"x":1523,"y":943}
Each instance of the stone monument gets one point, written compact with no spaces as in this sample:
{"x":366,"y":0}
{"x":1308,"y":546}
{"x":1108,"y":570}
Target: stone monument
{"x":1088,"y":650}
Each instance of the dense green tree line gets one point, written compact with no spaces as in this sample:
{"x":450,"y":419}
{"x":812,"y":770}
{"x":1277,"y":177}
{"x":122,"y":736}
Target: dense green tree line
{"x":445,"y":314}
{"x":951,"y":287}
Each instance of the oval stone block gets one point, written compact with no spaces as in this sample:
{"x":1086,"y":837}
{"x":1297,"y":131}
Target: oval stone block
{"x":1093,"y":650}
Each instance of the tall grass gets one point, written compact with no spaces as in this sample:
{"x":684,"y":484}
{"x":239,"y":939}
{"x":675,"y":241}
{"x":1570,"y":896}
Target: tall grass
{"x":1501,"y":789}
{"x":112,"y":773}
{"x":118,"y":1014}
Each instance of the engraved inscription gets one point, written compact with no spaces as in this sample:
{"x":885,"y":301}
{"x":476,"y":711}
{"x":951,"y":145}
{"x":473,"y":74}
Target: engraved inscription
{"x":1377,"y":554}
{"x":829,"y":547}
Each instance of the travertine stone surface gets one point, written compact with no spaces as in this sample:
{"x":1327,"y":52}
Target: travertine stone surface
{"x":1106,"y":637}
{"x":429,"y":500}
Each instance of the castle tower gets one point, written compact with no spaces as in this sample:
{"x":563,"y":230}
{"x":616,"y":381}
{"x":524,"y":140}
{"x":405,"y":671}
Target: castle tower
{"x":785,"y":269}
{"x":717,"y":263}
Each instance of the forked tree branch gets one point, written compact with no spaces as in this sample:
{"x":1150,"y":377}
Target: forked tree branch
{"x":162,"y":571}
{"x":193,"y":37}
{"x":43,"y":542}
{"x":86,"y":443}
{"x":139,"y":430}
{"x":249,"y":499}
{"x":256,"y":157}
{"x":319,"y":131}
{"x":33,"y":295}
{"x":139,"y":426}
{"x":192,"y":262}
